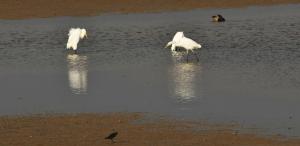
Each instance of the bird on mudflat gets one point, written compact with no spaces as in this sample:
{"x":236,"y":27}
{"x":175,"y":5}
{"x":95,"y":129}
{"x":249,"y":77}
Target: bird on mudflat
{"x":179,"y":40}
{"x":112,"y":135}
{"x":75,"y":34}
{"x":218,"y":18}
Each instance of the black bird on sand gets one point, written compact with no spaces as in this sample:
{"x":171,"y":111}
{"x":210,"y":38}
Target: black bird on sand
{"x":111,"y":136}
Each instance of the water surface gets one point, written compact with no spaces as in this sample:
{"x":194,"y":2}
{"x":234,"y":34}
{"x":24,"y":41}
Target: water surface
{"x":248,"y":70}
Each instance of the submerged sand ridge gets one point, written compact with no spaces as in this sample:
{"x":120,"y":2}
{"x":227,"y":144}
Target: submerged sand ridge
{"x":133,"y":128}
{"x":19,"y":9}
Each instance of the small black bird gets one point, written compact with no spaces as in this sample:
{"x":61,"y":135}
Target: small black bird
{"x":221,"y":18}
{"x":112,"y":136}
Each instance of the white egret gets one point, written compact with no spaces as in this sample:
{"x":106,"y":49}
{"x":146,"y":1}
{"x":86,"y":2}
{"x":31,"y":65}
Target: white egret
{"x":75,"y":34}
{"x":179,"y":40}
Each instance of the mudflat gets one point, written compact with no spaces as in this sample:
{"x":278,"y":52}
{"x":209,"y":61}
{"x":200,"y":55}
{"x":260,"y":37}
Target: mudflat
{"x":21,"y":9}
{"x":133,"y":129}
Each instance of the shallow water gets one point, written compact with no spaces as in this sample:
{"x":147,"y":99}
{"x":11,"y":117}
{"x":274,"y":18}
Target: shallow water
{"x":248,"y":70}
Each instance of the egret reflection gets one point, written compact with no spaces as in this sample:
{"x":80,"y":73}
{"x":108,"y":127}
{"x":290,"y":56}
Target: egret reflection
{"x":183,"y":76}
{"x":77,"y":66}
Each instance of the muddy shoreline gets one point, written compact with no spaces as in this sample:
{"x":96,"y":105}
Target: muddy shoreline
{"x":133,"y":128}
{"x":41,"y":9}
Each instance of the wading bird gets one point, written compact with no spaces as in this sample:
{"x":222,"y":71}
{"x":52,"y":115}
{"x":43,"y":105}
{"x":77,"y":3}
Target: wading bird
{"x":75,"y":34}
{"x":179,"y":40}
{"x":112,"y":135}
{"x":218,"y":18}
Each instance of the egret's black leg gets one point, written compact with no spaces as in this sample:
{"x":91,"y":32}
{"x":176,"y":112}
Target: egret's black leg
{"x":75,"y":51}
{"x":196,"y":56}
{"x":187,"y":56}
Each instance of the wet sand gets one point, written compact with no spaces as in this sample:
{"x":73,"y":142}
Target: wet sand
{"x":133,"y":128}
{"x":17,"y":9}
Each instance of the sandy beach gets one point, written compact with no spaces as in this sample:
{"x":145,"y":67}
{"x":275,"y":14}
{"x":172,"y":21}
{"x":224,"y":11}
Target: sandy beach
{"x":133,"y":128}
{"x":18,"y":9}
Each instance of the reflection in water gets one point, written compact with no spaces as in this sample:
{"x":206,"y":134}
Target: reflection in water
{"x":77,"y":66}
{"x":183,"y":76}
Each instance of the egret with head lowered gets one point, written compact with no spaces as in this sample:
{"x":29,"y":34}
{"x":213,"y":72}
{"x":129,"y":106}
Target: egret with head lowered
{"x":75,"y":34}
{"x":179,"y":40}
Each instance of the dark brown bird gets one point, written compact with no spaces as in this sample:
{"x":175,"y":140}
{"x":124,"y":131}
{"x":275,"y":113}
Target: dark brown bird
{"x":111,"y":136}
{"x":218,"y":18}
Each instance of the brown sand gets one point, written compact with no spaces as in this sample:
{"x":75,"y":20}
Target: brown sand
{"x":17,"y":9}
{"x":134,"y":130}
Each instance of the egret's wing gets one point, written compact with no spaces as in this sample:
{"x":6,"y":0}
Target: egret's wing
{"x":178,"y":36}
{"x":71,"y":31}
{"x":73,"y":37}
{"x":187,"y":42}
{"x":72,"y":34}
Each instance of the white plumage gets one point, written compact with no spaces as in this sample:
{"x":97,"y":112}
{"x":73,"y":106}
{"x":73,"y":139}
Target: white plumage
{"x":179,"y":40}
{"x":75,"y":34}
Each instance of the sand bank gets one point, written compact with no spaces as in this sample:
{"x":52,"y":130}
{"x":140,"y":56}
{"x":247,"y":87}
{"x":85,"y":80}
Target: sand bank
{"x":20,"y":9}
{"x":134,"y":130}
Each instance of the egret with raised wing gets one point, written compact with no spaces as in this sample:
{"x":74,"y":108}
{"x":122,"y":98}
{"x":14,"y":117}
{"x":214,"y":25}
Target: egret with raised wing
{"x":179,"y":40}
{"x":75,"y":34}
